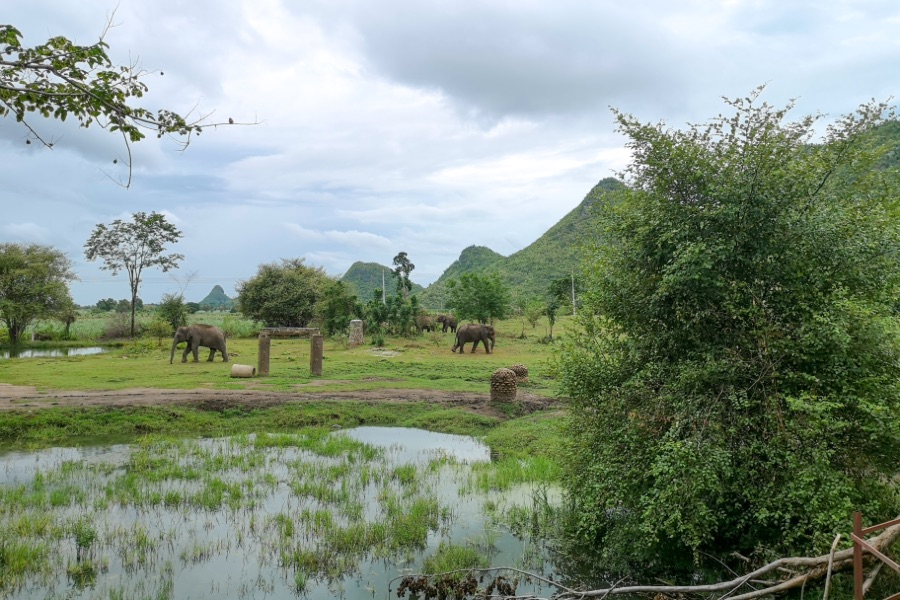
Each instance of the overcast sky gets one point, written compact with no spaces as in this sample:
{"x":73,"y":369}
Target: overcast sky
{"x":404,"y":125}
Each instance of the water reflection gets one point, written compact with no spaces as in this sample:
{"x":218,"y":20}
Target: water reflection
{"x":316,"y":515}
{"x":49,"y":352}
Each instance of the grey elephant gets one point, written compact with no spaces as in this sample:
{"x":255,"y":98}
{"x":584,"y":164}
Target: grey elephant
{"x":475,"y":333}
{"x":448,"y":321}
{"x":207,"y":336}
{"x":424,"y":323}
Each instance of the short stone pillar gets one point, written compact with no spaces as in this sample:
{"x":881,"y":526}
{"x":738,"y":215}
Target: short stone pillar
{"x":503,"y":386}
{"x":316,"y":353}
{"x":265,"y":349}
{"x":356,"y":333}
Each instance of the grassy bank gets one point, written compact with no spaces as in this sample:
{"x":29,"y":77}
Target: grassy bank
{"x":423,"y":362}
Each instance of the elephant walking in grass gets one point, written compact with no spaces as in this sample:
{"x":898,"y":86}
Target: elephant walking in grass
{"x":448,"y":322}
{"x":475,"y":333}
{"x":424,"y":323}
{"x":196,"y":336}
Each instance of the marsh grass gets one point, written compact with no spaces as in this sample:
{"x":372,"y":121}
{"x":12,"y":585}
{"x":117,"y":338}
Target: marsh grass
{"x":164,"y":501}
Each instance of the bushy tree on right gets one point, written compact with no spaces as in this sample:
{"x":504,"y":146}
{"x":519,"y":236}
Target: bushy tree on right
{"x":734,"y":380}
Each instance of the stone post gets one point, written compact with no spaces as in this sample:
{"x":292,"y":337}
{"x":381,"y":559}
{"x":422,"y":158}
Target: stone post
{"x":356,"y":333}
{"x":316,"y":353}
{"x":265,"y":348}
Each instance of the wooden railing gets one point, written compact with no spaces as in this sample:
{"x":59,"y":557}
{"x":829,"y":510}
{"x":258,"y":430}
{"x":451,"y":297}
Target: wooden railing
{"x":860,"y":545}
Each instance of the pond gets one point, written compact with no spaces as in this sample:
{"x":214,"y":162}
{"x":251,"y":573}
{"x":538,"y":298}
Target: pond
{"x":316,"y":514}
{"x":50,"y":352}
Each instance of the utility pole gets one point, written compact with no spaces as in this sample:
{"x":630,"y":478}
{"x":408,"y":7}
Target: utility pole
{"x":383,"y":301}
{"x":573,"y":294}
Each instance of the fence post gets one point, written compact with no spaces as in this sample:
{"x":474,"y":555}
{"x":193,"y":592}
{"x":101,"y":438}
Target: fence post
{"x":857,"y":557}
{"x":316,"y":352}
{"x":265,"y":348}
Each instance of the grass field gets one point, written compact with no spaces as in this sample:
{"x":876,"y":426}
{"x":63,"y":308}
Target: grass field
{"x":422,"y":362}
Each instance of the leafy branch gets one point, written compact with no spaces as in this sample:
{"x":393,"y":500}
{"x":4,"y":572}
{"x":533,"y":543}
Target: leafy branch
{"x":60,"y":79}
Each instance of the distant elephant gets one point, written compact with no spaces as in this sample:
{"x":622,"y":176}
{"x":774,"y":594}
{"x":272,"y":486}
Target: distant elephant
{"x":448,"y":322}
{"x":475,"y":333}
{"x":424,"y":323}
{"x":196,"y":336}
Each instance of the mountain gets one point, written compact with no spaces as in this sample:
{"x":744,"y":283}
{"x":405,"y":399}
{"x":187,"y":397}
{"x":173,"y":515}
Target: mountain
{"x":474,"y":259}
{"x":216,"y":299}
{"x":364,"y":278}
{"x":529,"y":271}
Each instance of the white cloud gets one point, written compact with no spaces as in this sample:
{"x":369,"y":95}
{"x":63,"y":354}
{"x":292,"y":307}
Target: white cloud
{"x":403,"y":125}
{"x":25,"y":232}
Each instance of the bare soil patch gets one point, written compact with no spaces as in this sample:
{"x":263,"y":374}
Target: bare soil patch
{"x":29,"y":398}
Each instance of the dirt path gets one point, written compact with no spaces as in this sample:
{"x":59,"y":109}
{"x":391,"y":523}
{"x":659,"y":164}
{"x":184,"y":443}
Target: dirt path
{"x":28,"y":398}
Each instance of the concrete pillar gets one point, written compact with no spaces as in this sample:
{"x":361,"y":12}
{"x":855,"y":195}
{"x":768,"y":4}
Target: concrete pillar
{"x":316,"y":352}
{"x":356,"y":333}
{"x":265,"y":350}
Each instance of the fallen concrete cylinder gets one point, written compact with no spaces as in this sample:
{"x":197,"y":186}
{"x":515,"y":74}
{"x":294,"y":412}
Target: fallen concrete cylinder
{"x":243,"y":370}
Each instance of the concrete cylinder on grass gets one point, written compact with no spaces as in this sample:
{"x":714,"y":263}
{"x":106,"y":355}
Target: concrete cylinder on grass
{"x":243,"y":370}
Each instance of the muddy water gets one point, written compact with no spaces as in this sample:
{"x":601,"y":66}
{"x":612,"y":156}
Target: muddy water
{"x":50,"y":352}
{"x":251,"y":517}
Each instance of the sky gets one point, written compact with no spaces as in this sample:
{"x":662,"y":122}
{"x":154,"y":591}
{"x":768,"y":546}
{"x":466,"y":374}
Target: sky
{"x":423,"y":126}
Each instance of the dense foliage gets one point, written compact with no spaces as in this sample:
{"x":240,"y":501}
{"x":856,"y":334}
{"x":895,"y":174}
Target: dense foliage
{"x":34,"y":283}
{"x":282,"y":295}
{"x":482,"y":298}
{"x":734,"y":381}
{"x":173,"y":310}
{"x":133,"y":246}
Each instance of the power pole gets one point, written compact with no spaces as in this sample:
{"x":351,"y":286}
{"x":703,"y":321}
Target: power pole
{"x":383,"y":301}
{"x":573,"y":294}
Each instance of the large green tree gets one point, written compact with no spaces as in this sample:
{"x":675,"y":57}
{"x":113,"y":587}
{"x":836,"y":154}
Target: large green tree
{"x":283,"y":295}
{"x":133,"y":246}
{"x":59,"y":79}
{"x":34,"y":283}
{"x":734,"y":383}
{"x":478,"y":297}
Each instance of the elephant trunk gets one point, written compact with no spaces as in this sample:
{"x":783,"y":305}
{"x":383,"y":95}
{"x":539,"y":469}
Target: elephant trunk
{"x":172,"y":355}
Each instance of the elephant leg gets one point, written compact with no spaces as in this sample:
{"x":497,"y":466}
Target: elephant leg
{"x":212,"y":354}
{"x":187,"y":348}
{"x":195,"y":350}
{"x":224,"y":354}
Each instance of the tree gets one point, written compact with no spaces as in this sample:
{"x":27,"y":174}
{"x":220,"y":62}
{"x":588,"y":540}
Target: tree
{"x":402,"y":269}
{"x":67,"y":314}
{"x":337,"y":307}
{"x":34,"y":283}
{"x":107,"y":304}
{"x":172,"y":310}
{"x":282,"y":295}
{"x":134,"y":246}
{"x":477,"y":297}
{"x":59,"y":79}
{"x":733,"y":382}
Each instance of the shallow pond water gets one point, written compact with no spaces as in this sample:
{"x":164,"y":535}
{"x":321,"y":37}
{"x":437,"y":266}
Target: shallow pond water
{"x":50,"y":352}
{"x":314,"y":515}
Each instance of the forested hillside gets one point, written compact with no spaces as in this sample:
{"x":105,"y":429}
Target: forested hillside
{"x":529,"y":271}
{"x":366,"y":277}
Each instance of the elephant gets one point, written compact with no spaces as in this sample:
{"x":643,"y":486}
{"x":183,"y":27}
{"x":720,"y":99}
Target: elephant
{"x":196,"y":336}
{"x":424,"y":323}
{"x":474,"y":333}
{"x":448,"y":322}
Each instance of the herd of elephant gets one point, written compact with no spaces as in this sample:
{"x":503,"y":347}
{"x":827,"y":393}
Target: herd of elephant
{"x":209,"y":336}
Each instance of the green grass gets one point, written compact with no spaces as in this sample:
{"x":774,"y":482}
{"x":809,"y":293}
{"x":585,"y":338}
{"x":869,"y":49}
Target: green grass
{"x":423,"y":362}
